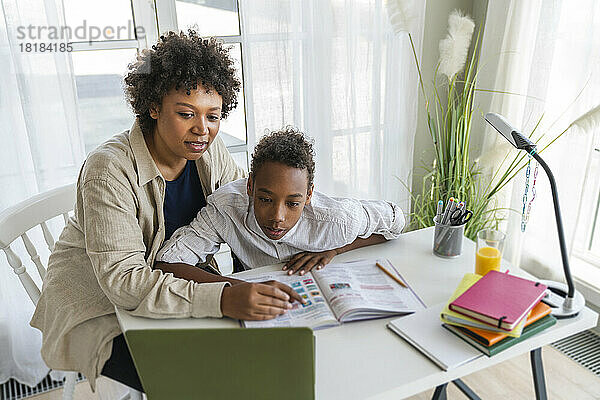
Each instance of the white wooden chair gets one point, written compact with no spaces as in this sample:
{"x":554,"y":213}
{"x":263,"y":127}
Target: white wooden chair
{"x":15,"y":222}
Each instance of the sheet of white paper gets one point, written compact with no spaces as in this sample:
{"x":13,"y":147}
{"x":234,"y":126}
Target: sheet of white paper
{"x":424,"y":331}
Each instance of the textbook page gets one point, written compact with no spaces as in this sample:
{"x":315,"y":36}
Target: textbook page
{"x":360,"y":290}
{"x":315,"y":314}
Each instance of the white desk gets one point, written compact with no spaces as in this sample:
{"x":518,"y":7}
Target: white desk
{"x":365,"y":360}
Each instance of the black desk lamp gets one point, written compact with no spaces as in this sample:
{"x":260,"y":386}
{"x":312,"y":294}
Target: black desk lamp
{"x":564,"y":299}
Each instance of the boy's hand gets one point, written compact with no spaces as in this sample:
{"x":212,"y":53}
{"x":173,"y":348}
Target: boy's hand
{"x":257,"y":301}
{"x":306,"y":261}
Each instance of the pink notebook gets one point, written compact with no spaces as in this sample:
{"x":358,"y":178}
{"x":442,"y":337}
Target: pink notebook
{"x":498,"y":299}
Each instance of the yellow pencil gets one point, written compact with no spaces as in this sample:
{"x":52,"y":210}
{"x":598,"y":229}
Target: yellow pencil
{"x":394,"y":277}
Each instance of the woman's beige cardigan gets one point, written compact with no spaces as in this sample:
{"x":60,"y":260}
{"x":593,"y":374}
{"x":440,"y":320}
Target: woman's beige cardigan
{"x":105,"y":254}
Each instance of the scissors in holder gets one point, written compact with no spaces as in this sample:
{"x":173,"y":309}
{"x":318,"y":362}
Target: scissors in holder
{"x":460,"y":217}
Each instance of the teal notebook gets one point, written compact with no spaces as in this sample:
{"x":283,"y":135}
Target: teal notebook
{"x":472,"y":338}
{"x":270,"y":363}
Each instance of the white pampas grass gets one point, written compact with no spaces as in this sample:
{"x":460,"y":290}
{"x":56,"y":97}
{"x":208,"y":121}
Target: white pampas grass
{"x":401,"y":14}
{"x":589,"y":121}
{"x":455,"y":47}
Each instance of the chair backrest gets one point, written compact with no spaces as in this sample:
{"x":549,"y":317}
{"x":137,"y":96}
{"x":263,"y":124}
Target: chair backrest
{"x":17,"y":220}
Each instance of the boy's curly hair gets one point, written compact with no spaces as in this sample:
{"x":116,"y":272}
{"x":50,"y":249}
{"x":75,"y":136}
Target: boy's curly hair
{"x":179,"y":61}
{"x":288,"y":146}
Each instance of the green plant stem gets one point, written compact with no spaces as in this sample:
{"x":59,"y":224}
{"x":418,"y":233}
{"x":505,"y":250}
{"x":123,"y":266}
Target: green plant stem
{"x":412,"y":45}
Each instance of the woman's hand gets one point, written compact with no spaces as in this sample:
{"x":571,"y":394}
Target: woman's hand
{"x":257,"y":301}
{"x":306,"y":261}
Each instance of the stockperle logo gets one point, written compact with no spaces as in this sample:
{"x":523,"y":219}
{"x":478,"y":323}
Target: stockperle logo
{"x":79,"y":33}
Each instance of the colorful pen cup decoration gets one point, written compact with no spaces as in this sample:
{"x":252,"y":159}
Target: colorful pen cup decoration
{"x":448,"y":239}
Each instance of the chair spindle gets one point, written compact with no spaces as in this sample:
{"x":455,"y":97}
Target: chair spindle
{"x":47,"y":236}
{"x":15,"y":262}
{"x":34,"y":255}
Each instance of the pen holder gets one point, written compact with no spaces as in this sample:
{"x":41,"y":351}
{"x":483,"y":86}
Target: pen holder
{"x":447,"y":239}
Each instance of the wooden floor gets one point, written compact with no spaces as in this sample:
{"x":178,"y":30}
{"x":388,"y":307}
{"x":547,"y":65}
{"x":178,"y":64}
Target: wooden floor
{"x":512,"y":379}
{"x":565,"y":379}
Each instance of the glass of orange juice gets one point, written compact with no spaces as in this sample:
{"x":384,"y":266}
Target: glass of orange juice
{"x":490,"y":244}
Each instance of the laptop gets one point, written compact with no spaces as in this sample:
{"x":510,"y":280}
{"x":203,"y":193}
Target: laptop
{"x":222,"y":363}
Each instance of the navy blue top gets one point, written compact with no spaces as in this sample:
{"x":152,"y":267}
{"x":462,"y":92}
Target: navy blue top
{"x":183,"y":199}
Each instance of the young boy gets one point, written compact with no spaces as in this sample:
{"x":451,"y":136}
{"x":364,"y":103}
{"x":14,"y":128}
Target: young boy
{"x":275,"y":215}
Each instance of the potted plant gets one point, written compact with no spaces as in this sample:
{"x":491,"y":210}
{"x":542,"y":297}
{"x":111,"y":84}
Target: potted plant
{"x":450,"y":110}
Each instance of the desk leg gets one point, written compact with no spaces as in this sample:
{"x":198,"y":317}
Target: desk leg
{"x":537,"y":368}
{"x":440,"y":392}
{"x":538,"y":381}
{"x":466,"y":390}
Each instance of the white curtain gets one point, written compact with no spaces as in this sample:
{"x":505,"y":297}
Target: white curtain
{"x":332,"y":68}
{"x":336,"y":70}
{"x":548,"y":52}
{"x":41,"y":149}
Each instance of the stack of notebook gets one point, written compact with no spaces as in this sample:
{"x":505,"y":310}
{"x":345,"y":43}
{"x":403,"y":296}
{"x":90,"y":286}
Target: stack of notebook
{"x":496,"y":311}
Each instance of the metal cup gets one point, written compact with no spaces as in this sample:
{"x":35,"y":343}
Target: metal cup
{"x":447,"y":239}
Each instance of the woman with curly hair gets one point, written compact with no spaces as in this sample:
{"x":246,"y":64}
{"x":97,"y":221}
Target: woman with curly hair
{"x":133,"y":192}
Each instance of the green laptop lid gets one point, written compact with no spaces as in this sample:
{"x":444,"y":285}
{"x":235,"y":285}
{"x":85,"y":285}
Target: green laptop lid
{"x":270,"y":363}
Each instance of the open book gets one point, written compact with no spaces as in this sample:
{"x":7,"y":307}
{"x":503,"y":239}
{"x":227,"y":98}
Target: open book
{"x":340,"y":292}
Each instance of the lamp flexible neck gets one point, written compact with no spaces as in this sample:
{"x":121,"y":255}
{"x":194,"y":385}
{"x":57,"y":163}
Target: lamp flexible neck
{"x":559,"y":225}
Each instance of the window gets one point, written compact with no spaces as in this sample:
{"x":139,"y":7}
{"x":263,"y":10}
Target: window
{"x":211,"y":17}
{"x":562,"y":40}
{"x":103,"y":110}
{"x":105,"y":37}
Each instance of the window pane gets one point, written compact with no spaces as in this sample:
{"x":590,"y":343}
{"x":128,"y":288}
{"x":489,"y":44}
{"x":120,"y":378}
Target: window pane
{"x":241,"y":159}
{"x":103,"y":110}
{"x":272,"y":16}
{"x":210,"y":17}
{"x":234,"y":126}
{"x":274,"y":65}
{"x":593,"y":211}
{"x":99,"y":20}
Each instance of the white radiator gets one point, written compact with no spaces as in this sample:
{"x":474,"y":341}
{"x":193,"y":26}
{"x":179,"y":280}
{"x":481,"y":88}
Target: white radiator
{"x":13,"y":390}
{"x":584,"y":348}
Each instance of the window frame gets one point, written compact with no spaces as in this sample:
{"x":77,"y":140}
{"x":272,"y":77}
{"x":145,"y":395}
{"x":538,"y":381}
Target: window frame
{"x":143,"y":15}
{"x":588,"y":229}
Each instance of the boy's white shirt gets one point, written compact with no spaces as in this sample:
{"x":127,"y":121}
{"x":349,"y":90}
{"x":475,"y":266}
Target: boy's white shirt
{"x":326,"y":223}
